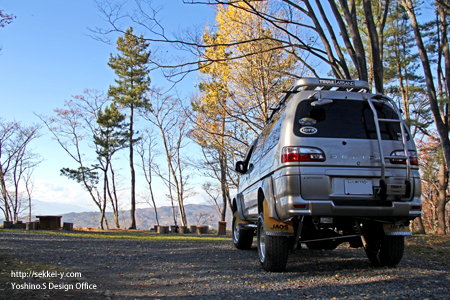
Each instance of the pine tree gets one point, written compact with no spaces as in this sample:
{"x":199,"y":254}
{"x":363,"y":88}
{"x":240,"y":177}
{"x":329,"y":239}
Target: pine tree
{"x":110,"y":138}
{"x":130,"y":65}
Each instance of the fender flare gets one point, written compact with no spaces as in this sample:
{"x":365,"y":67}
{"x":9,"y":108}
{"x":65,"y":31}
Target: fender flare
{"x":237,"y":206}
{"x":266,"y":193}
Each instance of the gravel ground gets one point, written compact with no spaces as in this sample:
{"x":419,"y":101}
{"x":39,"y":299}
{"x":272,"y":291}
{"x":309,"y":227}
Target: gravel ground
{"x":123,"y":269}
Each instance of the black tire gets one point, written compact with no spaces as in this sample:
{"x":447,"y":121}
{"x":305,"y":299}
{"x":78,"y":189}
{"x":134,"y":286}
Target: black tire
{"x":242,"y":238}
{"x":385,"y":251}
{"x":272,"y":250}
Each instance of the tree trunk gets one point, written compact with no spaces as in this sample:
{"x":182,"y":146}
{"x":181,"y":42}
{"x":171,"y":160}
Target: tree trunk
{"x":180,"y":189}
{"x":440,"y":125}
{"x":318,"y":28}
{"x":171,"y":198}
{"x":113,"y":197}
{"x":223,"y":178}
{"x":4,"y":194}
{"x":356,"y":38}
{"x":421,"y":228}
{"x":105,"y":185}
{"x":337,"y":47}
{"x":223,"y":169}
{"x":154,"y":203}
{"x":445,"y":46}
{"x":376,"y":54}
{"x":133,"y":174}
{"x":344,"y":36}
{"x":442,"y":198}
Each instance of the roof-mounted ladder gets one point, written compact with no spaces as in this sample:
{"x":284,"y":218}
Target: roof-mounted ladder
{"x":390,"y":188}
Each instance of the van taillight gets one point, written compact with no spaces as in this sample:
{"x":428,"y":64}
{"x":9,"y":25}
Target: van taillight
{"x":293,"y":154}
{"x":413,"y":159}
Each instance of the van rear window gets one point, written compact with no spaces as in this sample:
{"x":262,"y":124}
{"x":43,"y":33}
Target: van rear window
{"x":351,"y":119}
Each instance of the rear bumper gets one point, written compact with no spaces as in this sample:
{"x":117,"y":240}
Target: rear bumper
{"x":328,"y":197}
{"x":295,"y":206}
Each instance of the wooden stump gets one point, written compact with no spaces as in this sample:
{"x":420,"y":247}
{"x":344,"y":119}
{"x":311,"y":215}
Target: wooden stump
{"x":163,"y":229}
{"x":35,"y":225}
{"x":67,"y":226}
{"x":29,"y":226}
{"x":7,"y":224}
{"x":19,"y":225}
{"x":202,"y":229}
{"x":222,"y":228}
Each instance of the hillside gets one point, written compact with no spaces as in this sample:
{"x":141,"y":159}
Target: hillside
{"x":145,"y":218}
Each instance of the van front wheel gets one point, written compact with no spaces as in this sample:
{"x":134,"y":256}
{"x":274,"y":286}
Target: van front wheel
{"x":242,"y":238}
{"x":272,"y":250}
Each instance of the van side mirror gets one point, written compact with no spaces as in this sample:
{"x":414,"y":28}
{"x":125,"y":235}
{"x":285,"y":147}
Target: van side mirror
{"x":241,"y":167}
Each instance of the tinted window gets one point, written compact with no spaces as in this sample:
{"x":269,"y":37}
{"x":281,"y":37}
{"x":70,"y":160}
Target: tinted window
{"x":344,"y":119}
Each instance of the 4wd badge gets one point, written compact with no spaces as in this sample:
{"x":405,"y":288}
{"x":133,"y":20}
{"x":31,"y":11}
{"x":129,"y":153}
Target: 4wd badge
{"x":308,"y":130}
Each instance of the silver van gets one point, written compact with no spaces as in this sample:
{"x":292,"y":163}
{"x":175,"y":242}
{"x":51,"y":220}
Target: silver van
{"x":334,"y":164}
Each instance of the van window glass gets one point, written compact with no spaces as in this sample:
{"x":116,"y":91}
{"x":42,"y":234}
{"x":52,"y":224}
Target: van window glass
{"x":273,"y":129}
{"x":257,"y":152}
{"x":345,"y":119}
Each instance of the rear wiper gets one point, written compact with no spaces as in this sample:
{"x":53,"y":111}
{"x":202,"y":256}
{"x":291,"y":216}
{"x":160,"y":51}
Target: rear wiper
{"x":320,"y":101}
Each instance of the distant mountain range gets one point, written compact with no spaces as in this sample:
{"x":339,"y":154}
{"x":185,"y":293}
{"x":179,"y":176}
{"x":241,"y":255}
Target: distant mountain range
{"x":145,"y":218}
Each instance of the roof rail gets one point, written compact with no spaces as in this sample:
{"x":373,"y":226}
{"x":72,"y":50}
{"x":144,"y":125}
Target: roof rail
{"x":308,"y":83}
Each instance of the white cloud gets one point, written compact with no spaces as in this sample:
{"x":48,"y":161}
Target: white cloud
{"x":61,"y":192}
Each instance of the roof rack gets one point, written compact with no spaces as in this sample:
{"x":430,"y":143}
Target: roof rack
{"x":304,"y":84}
{"x":325,"y":84}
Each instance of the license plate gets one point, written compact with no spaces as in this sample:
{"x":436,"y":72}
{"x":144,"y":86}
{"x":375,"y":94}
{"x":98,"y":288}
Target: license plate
{"x":358,"y":187}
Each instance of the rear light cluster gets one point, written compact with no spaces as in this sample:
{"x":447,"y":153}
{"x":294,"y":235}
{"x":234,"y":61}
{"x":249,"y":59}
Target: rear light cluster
{"x":413,"y":159}
{"x":298,"y":154}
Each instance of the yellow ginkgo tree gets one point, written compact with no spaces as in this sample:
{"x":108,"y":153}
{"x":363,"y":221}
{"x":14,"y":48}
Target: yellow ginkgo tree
{"x":235,"y":95}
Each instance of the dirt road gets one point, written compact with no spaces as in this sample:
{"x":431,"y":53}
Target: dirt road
{"x":123,"y":269}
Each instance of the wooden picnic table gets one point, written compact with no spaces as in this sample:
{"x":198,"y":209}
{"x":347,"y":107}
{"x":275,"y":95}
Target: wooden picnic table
{"x":49,"y":222}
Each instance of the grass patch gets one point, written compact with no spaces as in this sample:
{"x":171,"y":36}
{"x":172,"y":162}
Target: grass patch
{"x":132,"y":235}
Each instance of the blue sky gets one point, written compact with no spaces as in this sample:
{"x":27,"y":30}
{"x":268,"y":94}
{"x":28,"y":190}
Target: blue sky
{"x":48,"y":56}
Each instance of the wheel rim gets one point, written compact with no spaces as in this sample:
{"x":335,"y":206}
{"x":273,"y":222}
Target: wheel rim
{"x":235,"y":231}
{"x":262,"y":241}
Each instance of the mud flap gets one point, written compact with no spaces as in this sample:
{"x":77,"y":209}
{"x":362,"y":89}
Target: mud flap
{"x":274,"y":227}
{"x":396,"y":230}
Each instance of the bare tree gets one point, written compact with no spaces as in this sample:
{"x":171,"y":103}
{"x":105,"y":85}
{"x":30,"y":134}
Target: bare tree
{"x":23,"y":166}
{"x":74,"y":128}
{"x":146,"y":150}
{"x":16,"y":158}
{"x":203,"y":218}
{"x":213,"y":193}
{"x":172,"y":123}
{"x":308,"y":33}
{"x":441,"y":122}
{"x":29,"y":188}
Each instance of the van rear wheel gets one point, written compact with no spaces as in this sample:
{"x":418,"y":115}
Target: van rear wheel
{"x":242,"y":238}
{"x":272,"y":250}
{"x":385,"y":251}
